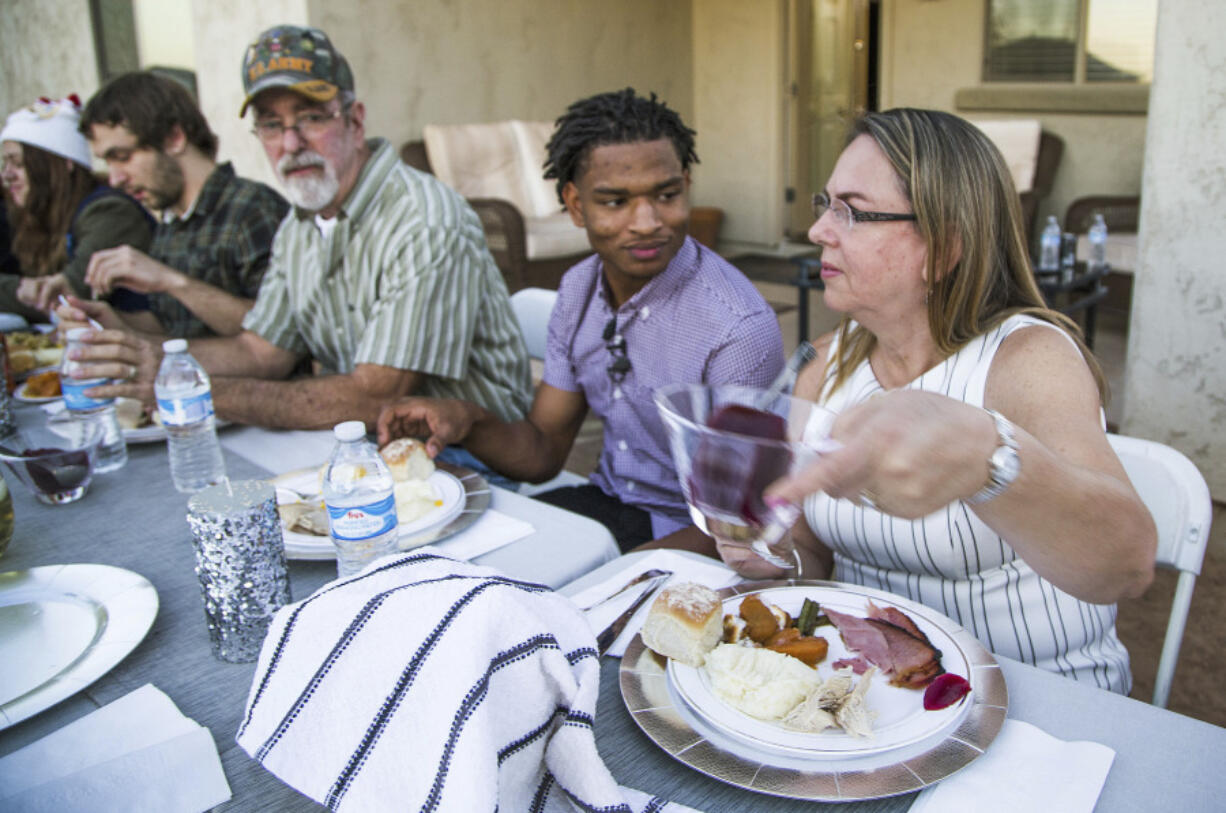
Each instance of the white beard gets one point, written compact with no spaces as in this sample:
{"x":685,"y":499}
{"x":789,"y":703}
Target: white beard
{"x":311,"y":193}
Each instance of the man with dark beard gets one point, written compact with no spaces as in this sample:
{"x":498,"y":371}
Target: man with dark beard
{"x":381,"y":274}
{"x":211,"y":248}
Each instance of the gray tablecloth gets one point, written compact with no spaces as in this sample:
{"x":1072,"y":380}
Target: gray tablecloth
{"x":135,"y":519}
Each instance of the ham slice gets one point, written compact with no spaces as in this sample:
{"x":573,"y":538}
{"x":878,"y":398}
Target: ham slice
{"x":910,"y":661}
{"x":857,"y":664}
{"x":898,"y":618}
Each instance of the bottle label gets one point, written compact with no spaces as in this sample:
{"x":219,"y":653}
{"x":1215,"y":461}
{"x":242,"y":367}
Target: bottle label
{"x":359,"y":522}
{"x":74,"y":393}
{"x":186,"y":411}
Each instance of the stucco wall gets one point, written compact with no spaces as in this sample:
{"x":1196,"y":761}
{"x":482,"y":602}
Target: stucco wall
{"x":46,"y":49}
{"x":458,"y":61}
{"x":222,"y":30}
{"x":738,"y":103}
{"x":931,"y":50}
{"x":433,"y":61}
{"x":1175,"y":385}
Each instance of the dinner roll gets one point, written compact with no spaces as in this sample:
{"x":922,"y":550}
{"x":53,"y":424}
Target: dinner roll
{"x":408,"y":459}
{"x":685,"y":623}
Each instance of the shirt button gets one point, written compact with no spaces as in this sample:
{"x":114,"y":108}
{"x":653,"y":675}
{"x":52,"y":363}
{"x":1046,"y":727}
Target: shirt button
{"x":622,"y":445}
{"x":630,"y":485}
{"x":645,"y":312}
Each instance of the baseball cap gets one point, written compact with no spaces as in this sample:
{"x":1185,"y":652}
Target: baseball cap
{"x":300,"y":59}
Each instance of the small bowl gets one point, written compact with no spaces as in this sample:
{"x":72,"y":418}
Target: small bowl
{"x":56,"y":466}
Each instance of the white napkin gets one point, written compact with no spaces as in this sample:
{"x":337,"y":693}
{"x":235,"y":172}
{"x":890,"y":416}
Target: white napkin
{"x":708,"y":572}
{"x":427,"y":682}
{"x":279,"y":450}
{"x":138,"y":753}
{"x":492,"y":530}
{"x":1024,"y":769}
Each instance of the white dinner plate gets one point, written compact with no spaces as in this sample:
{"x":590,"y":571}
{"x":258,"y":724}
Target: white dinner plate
{"x":901,"y":719}
{"x":64,"y":626}
{"x":20,"y":394}
{"x":668,"y":719}
{"x":412,"y":534}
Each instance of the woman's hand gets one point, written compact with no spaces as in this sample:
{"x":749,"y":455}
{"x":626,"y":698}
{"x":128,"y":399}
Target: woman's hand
{"x":908,"y":452}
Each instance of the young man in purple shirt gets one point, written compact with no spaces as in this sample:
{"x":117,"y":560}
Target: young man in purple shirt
{"x":652,"y":307}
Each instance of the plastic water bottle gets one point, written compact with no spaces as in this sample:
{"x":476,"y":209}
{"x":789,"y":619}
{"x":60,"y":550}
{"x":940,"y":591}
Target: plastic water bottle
{"x":112,"y":449}
{"x":185,"y":405}
{"x":358,"y":493}
{"x":1049,"y":247}
{"x":1098,"y":243}
{"x":1068,"y":256}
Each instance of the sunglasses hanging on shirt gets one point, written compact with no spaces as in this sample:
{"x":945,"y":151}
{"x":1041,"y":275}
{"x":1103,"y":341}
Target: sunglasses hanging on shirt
{"x":615,"y":343}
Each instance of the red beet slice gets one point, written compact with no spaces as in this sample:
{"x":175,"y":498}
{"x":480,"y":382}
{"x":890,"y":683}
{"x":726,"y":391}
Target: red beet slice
{"x":946,"y":690}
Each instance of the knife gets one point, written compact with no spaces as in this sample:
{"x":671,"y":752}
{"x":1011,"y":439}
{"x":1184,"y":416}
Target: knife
{"x":607,"y":636}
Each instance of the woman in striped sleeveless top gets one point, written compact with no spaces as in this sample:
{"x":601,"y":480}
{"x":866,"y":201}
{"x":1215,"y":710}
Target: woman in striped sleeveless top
{"x":975,"y":474}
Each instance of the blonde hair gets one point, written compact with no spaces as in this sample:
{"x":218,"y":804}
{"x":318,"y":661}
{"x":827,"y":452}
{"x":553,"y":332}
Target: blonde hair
{"x":965,"y":206}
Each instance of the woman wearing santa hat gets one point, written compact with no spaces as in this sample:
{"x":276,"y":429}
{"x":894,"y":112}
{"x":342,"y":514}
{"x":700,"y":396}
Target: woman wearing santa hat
{"x":61,"y":213}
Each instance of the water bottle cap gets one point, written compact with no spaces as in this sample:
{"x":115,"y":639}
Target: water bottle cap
{"x":76,"y":333}
{"x":174,"y":346}
{"x":349,"y":430}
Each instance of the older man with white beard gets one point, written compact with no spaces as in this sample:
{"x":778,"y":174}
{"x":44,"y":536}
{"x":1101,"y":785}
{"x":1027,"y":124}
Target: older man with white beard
{"x":381,"y":273}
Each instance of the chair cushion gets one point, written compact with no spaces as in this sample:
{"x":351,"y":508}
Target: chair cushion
{"x":1018,"y":141}
{"x":478,"y":160}
{"x":530,"y":140}
{"x":553,"y":236}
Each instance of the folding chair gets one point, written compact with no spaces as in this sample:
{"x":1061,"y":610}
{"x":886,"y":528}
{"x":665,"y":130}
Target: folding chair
{"x":532,"y":308}
{"x":1177,"y":497}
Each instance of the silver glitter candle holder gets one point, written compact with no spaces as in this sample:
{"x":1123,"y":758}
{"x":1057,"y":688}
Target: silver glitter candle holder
{"x":240,"y":559}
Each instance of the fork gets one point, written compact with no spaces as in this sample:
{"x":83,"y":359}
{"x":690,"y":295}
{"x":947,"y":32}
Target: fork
{"x":639,"y":579}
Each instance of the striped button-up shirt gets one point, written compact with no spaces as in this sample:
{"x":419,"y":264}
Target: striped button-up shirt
{"x":700,"y":321}
{"x":224,"y":239}
{"x":404,"y":280}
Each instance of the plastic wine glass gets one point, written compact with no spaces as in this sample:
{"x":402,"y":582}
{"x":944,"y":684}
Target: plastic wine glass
{"x":729,"y":443}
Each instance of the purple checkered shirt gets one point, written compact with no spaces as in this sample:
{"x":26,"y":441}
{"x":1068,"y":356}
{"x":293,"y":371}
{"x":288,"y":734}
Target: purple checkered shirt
{"x":698,"y":321}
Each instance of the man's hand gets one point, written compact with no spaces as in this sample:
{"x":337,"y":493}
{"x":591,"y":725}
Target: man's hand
{"x":130,"y":268}
{"x":78,"y":312}
{"x":442,"y":421}
{"x":131,"y":361}
{"x":42,"y":292}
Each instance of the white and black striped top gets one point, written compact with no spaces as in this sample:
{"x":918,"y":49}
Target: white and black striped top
{"x":424,"y":683}
{"x":953,"y":562}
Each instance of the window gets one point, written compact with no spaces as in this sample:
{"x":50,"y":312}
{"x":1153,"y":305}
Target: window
{"x":1073,"y":41}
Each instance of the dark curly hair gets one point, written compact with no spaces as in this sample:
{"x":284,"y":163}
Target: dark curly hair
{"x":150,"y":106}
{"x":619,"y":117}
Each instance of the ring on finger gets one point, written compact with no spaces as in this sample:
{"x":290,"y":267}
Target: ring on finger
{"x":131,"y":372}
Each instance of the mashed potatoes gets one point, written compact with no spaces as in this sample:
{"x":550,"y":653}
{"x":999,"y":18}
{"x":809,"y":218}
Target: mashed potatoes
{"x":414,"y":499}
{"x":759,"y":682}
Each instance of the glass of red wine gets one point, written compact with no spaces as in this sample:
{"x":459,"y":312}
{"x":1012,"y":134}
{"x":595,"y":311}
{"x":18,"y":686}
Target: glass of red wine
{"x":56,"y":466}
{"x":729,"y":443}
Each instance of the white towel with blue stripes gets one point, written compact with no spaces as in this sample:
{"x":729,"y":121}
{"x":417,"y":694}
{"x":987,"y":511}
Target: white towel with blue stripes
{"x":424,"y":683}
